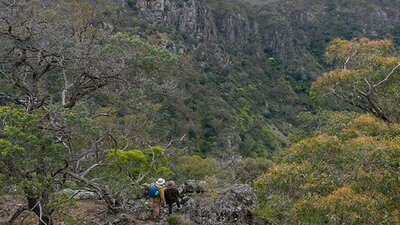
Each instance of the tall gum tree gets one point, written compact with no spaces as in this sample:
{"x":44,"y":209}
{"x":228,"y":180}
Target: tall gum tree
{"x":30,"y":162}
{"x":366,"y":76}
{"x":346,"y":172}
{"x":55,"y":55}
{"x":55,"y":40}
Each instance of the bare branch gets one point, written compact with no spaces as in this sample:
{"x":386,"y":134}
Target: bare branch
{"x":170,"y":143}
{"x":369,"y":85}
{"x":372,"y":107}
{"x":41,"y":214}
{"x":113,"y":139}
{"x":388,"y":76}
{"x":17,"y":213}
{"x":348,"y":60}
{"x":127,"y":144}
{"x":103,"y":191}
{"x":109,"y":113}
{"x":153,"y":163}
{"x":89,"y":169}
{"x":62,"y":169}
{"x":351,"y":102}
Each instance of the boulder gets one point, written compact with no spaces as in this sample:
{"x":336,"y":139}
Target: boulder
{"x":122,"y":219}
{"x":80,"y":194}
{"x":141,"y":209}
{"x":193,"y":186}
{"x":228,"y":204}
{"x":231,"y":204}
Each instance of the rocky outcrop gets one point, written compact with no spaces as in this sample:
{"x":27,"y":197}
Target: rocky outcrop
{"x":193,"y":186}
{"x":229,"y":205}
{"x":141,"y":209}
{"x":240,"y":33}
{"x":80,"y":194}
{"x":284,"y":28}
{"x":191,"y":18}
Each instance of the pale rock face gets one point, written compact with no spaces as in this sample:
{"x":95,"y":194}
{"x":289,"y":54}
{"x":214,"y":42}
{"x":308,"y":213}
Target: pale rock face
{"x":194,"y":19}
{"x":208,"y":35}
{"x":191,"y":18}
{"x":80,"y":194}
{"x":240,"y":32}
{"x":200,"y":30}
{"x":230,"y":204}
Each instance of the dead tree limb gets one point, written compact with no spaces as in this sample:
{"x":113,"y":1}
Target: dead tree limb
{"x":17,"y":213}
{"x":103,"y":191}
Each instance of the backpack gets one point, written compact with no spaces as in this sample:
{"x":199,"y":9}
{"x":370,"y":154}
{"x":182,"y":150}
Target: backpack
{"x":153,"y":191}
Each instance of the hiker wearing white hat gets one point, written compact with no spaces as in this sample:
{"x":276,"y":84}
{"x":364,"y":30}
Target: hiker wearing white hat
{"x":156,"y":193}
{"x":160,"y":181}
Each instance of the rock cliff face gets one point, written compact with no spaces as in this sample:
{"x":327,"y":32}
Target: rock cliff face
{"x":240,"y":32}
{"x":200,"y":28}
{"x":191,"y":18}
{"x":195,"y":20}
{"x":260,"y":58}
{"x":299,"y":31}
{"x":291,"y":30}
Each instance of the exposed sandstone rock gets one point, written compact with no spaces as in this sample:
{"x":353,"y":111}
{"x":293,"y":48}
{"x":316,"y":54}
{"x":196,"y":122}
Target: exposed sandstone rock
{"x":192,"y":18}
{"x":230,"y":205}
{"x":81,"y":194}
{"x":193,"y":186}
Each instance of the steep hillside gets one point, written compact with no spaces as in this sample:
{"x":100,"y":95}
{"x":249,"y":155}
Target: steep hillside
{"x":100,"y":99}
{"x":253,"y":63}
{"x":244,"y":67}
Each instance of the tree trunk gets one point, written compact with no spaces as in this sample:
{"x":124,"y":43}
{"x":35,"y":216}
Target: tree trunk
{"x":106,"y":194}
{"x":38,"y":206}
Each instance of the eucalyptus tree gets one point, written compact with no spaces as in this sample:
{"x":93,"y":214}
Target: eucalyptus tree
{"x":55,"y":56}
{"x":346,"y":170}
{"x":53,"y":51}
{"x":366,"y":76}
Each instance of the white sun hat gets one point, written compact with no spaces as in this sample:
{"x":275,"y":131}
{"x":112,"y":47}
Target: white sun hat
{"x":160,"y":181}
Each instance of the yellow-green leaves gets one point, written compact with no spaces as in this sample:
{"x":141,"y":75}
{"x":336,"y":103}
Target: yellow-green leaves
{"x":339,"y":51}
{"x":28,"y":155}
{"x":344,"y":173}
{"x":367,"y":76}
{"x":138,"y":165}
{"x":6,"y":147}
{"x":127,"y":156}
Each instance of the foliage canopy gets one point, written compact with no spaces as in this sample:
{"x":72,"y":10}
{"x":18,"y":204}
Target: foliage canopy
{"x":367,"y":75}
{"x":346,"y":172}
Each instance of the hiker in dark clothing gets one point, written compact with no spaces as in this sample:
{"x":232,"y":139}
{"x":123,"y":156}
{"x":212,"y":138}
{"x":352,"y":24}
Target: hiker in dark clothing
{"x":171,"y":195}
